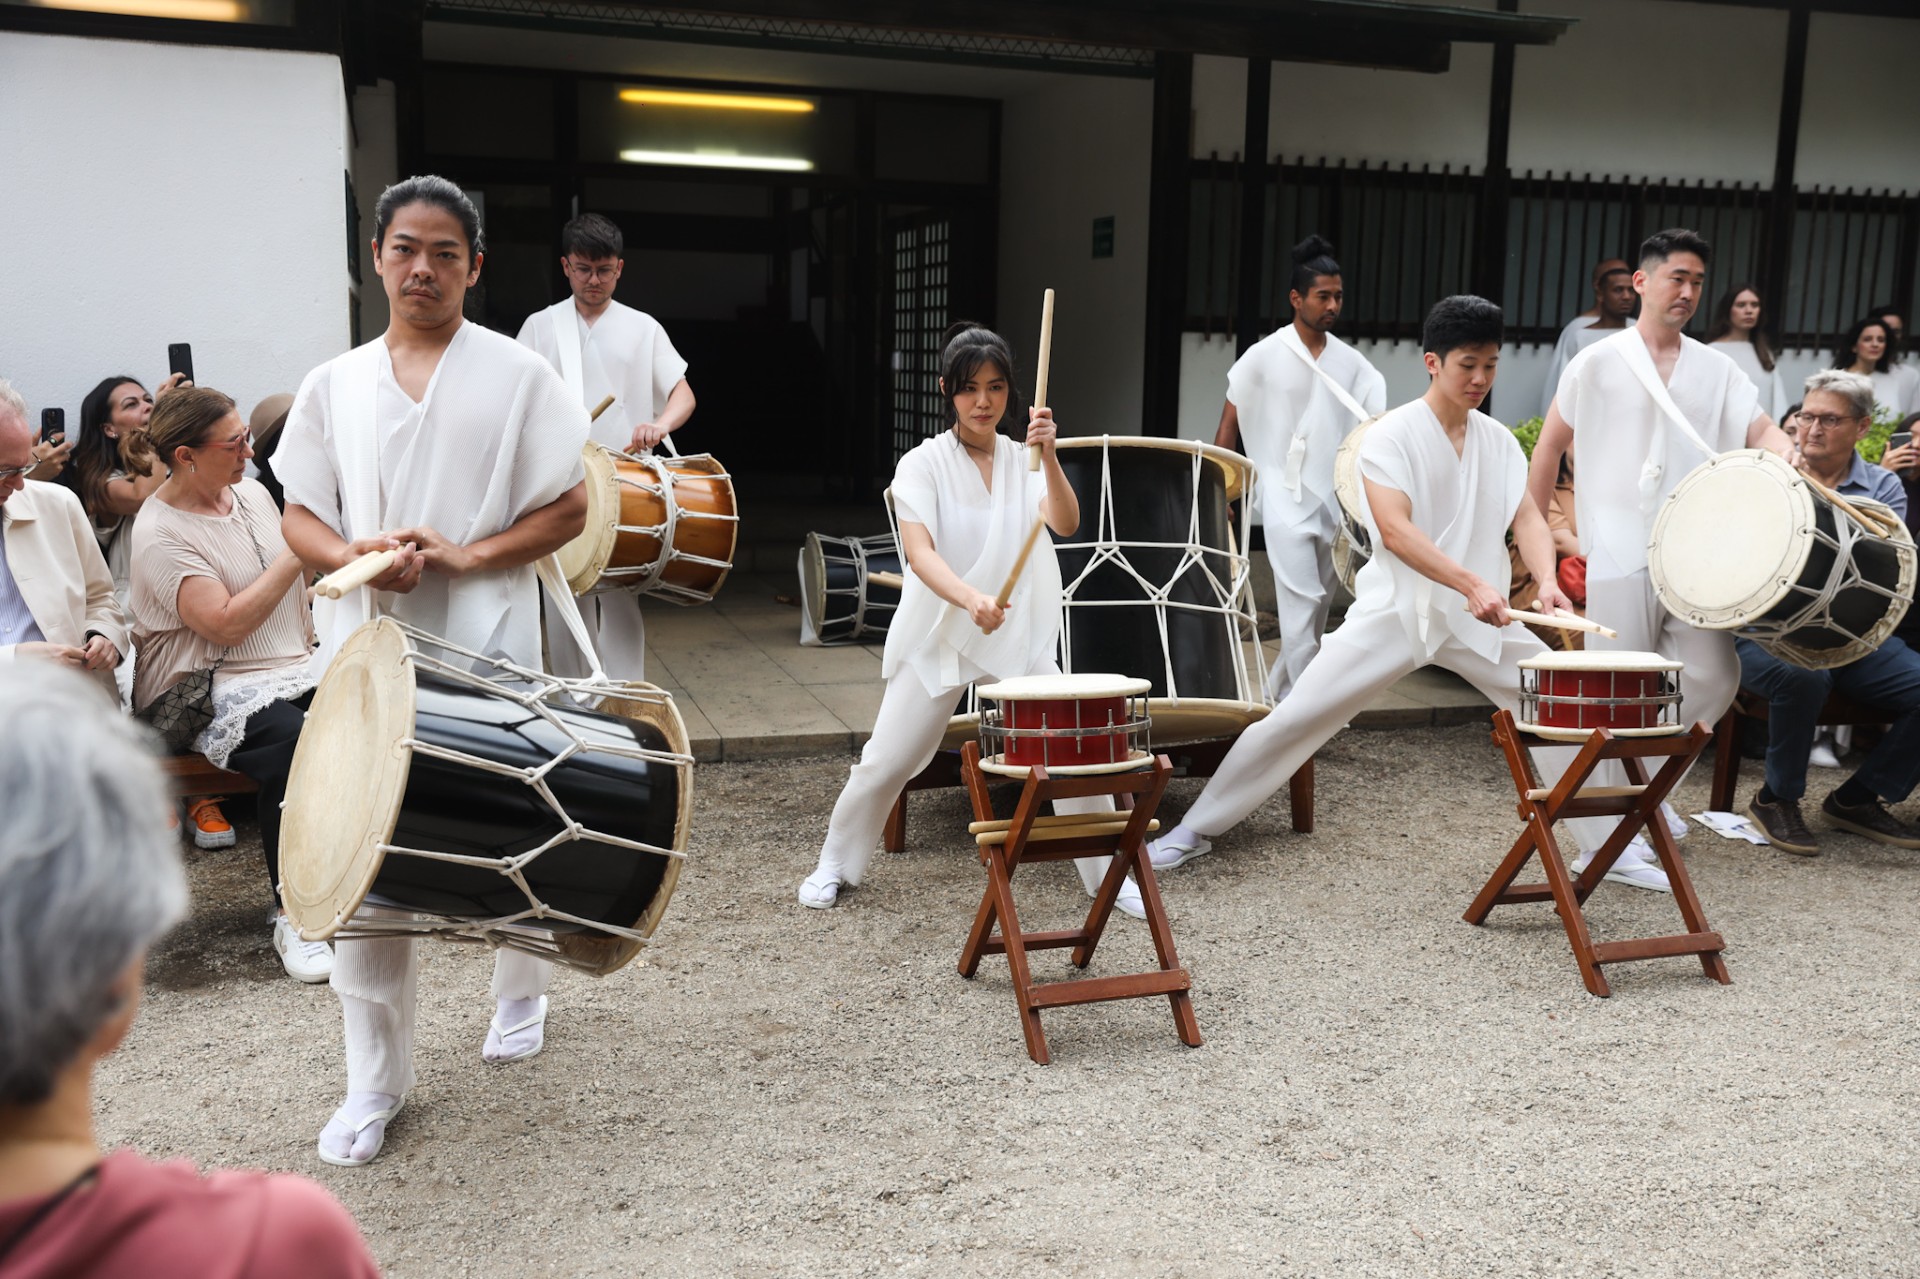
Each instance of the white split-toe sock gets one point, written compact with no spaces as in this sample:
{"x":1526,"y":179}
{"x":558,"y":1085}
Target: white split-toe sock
{"x":518,"y":1030}
{"x":1178,"y":847}
{"x":358,"y":1129}
{"x":820,"y":890}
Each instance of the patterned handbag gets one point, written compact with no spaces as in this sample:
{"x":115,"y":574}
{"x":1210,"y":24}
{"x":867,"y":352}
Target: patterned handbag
{"x":183,"y":712}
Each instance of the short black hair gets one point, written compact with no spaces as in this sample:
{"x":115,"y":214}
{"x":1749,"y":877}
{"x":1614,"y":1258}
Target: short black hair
{"x":965,"y":348}
{"x":592,"y":238}
{"x":1312,"y":258}
{"x":435,"y":190}
{"x":1461,"y":320}
{"x":1661,"y":245}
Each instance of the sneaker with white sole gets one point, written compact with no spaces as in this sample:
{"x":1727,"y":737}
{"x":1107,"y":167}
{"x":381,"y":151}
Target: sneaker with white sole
{"x":1165,"y":854}
{"x":1635,"y":867}
{"x":308,"y":961}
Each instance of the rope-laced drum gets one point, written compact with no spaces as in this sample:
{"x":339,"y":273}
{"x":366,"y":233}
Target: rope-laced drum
{"x":1069,"y":724}
{"x":1746,"y":543}
{"x":1565,"y":696}
{"x":435,"y":791}
{"x":1353,"y":544}
{"x":656,"y":525}
{"x":841,"y":602}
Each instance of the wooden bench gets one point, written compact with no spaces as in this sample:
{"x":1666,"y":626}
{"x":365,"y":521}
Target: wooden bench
{"x":193,"y":775}
{"x":1750,"y":705}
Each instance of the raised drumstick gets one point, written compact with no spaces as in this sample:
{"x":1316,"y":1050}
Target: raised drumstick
{"x":355,"y":575}
{"x":600,"y":408}
{"x":1039,"y":390}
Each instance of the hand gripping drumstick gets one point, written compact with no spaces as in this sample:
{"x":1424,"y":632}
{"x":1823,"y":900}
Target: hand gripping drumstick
{"x":374,"y":563}
{"x":1564,"y":621}
{"x":1033,"y":453}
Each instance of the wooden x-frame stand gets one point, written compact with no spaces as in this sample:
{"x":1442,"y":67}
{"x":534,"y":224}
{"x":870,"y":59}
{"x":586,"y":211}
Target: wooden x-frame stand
{"x":1638,"y":807}
{"x":1028,"y":837}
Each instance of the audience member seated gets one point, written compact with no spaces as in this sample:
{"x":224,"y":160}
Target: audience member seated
{"x":1614,"y":300}
{"x":1737,"y":332}
{"x":1570,"y":564}
{"x":214,"y":586}
{"x":56,"y":599}
{"x":1835,"y":415}
{"x":1868,"y":351}
{"x":85,"y":889}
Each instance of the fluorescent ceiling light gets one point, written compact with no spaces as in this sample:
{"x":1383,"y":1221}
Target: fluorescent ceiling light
{"x":192,"y":10}
{"x":725,"y":101}
{"x":719,"y":160}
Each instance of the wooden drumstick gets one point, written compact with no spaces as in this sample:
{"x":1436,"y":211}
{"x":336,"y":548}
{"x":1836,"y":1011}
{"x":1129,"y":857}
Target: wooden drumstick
{"x":1020,"y":565}
{"x":1039,"y":398}
{"x":892,"y":581}
{"x":1564,"y":621}
{"x":600,"y":408}
{"x":354,"y":575}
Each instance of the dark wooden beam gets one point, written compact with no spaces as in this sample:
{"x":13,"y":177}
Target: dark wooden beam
{"x":1857,"y":8}
{"x":1168,"y":214}
{"x":1779,"y":223}
{"x":1253,"y":202}
{"x":1489,"y":272}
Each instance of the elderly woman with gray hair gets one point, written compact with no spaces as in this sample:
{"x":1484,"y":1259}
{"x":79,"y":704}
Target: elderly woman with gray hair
{"x":85,"y":889}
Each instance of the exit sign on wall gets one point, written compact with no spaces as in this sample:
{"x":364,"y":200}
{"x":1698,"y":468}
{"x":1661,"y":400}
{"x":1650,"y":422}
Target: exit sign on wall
{"x":1103,"y":237}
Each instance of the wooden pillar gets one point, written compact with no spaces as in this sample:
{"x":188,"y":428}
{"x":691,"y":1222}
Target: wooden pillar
{"x":1489,"y":271}
{"x":1168,"y":218}
{"x":1253,"y":202}
{"x":1779,"y":225}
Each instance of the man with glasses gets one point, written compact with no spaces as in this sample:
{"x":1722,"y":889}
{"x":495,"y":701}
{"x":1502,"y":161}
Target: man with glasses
{"x":603,"y":347}
{"x":1834,"y":417}
{"x":56,"y":596}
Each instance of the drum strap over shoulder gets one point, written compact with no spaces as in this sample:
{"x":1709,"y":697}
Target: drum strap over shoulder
{"x":1297,"y":448}
{"x":1633,"y":349}
{"x":566,"y":339}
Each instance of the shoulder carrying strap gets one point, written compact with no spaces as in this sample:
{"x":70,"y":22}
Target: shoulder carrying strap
{"x":566,"y":337}
{"x":1291,"y":340}
{"x":555,"y":582}
{"x":1640,"y":360}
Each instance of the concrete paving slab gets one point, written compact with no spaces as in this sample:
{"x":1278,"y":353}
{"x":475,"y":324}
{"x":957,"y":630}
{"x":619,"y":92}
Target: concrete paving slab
{"x":853,"y":704}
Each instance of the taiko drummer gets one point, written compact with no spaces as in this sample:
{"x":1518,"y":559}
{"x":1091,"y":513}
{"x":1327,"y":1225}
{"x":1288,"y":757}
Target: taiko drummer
{"x":461,"y":448}
{"x":965,"y":501}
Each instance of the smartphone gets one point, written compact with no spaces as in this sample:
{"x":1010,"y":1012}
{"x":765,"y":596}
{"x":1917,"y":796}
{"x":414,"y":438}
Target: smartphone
{"x":1899,"y":440}
{"x":53,"y":425}
{"x":180,"y":359}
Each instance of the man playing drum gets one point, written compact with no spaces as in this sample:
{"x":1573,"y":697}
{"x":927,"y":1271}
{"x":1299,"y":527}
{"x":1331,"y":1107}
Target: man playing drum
{"x":1836,"y":414}
{"x":1442,"y":484}
{"x":1629,"y":389}
{"x":603,"y":347}
{"x":461,"y":449}
{"x":1291,"y":399}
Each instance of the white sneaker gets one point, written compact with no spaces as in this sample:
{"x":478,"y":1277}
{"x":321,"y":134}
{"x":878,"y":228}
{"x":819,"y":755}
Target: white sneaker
{"x":1635,"y":867}
{"x":1822,"y":756}
{"x":1165,"y":854}
{"x":308,"y":961}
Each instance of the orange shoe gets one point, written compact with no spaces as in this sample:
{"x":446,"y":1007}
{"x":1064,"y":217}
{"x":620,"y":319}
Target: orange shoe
{"x":210,"y":826}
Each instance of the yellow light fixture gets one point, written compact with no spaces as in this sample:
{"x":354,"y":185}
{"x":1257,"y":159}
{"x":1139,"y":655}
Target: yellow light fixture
{"x":719,"y":160}
{"x":723,"y":101}
{"x":191,"y":10}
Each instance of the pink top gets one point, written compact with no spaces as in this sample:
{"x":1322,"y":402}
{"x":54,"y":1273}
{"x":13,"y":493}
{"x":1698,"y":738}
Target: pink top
{"x":166,"y":1221}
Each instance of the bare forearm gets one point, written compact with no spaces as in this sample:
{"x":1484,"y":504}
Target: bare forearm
{"x":248,"y":610}
{"x":319,"y":547}
{"x":679,"y":407}
{"x":1417,"y":551}
{"x":536,"y":534}
{"x":1227,"y":434}
{"x":1535,"y":540}
{"x":126,"y":496}
{"x":1061,"y":506}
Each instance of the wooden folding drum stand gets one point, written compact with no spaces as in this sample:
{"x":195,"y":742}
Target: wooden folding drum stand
{"x":1638,"y":806}
{"x":1029,"y":837}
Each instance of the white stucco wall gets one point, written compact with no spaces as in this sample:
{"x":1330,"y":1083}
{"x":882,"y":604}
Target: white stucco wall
{"x":1850,"y":62}
{"x":1071,"y":153}
{"x":169,"y":193}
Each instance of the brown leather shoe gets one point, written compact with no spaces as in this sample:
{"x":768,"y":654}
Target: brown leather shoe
{"x":1783,"y":826}
{"x":1871,"y":820}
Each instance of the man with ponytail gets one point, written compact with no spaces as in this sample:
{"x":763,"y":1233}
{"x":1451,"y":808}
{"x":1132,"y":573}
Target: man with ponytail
{"x":1291,"y":399}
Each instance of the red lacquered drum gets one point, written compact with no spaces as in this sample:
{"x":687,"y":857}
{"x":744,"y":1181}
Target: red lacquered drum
{"x":1068,"y":723}
{"x":1568,"y":695}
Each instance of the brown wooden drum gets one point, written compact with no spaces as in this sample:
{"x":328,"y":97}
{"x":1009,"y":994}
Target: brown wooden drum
{"x":656,"y":525}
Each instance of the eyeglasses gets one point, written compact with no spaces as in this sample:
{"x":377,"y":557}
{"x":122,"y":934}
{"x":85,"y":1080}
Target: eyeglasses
{"x":240,"y":441}
{"x":581,"y":271}
{"x":14,"y":472}
{"x":1825,"y":421}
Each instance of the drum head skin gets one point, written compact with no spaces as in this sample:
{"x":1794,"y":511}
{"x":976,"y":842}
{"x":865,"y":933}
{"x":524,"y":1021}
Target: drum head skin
{"x":348,"y":780}
{"x":1062,"y":688}
{"x":585,"y":558}
{"x":813,"y":581}
{"x":1599,"y":660}
{"x":1732,"y":540}
{"x":1235,"y":469}
{"x":1346,"y":471}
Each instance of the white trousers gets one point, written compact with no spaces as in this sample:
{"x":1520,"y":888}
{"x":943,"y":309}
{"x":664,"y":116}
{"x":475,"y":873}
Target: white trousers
{"x":906,"y":735}
{"x":378,"y":984}
{"x":618,"y":630}
{"x":1302,"y":561}
{"x":1356,"y":664}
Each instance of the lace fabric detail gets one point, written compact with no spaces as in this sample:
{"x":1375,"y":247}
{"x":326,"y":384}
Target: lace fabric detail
{"x":237,"y":698}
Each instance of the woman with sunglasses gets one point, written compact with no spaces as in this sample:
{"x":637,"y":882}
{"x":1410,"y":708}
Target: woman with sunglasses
{"x":214,"y":586}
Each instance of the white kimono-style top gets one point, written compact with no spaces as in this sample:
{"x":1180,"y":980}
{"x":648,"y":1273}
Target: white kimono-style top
{"x":1291,"y":422}
{"x":979,"y":534}
{"x":496,"y":436}
{"x":1629,"y":455}
{"x":625,"y":353}
{"x":1575,"y":338}
{"x":1771,"y":387}
{"x":1464,"y":502}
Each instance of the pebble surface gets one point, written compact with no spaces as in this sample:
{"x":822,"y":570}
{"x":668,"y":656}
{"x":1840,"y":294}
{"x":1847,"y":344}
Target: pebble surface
{"x":1384,"y":1089}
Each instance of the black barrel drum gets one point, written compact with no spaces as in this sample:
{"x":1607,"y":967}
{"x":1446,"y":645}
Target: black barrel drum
{"x":482,"y":807}
{"x":841,"y":602}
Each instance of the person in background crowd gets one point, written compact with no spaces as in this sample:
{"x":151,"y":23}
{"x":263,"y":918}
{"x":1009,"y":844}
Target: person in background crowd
{"x":56,"y":599}
{"x":1867,"y":350}
{"x":85,"y":890}
{"x":1570,"y":566}
{"x":1837,"y":413}
{"x":264,"y":425}
{"x":214,"y":582}
{"x":1614,"y":300}
{"x":1906,"y":373}
{"x":1736,"y":333}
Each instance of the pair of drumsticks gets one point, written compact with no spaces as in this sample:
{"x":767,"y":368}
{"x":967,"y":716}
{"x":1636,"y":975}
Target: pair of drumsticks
{"x":371,"y":565}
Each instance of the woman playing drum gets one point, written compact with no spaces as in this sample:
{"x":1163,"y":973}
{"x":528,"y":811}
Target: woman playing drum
{"x":965,"y":501}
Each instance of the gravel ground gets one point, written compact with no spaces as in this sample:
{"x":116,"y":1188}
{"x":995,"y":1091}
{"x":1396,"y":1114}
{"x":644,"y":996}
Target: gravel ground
{"x":1384,"y":1090}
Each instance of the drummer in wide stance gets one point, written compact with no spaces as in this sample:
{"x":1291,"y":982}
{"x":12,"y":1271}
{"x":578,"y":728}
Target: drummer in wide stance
{"x":460,"y":449}
{"x":1658,"y":403}
{"x":1442,"y":484}
{"x":1291,"y":399}
{"x":603,"y":347}
{"x":966,"y":503}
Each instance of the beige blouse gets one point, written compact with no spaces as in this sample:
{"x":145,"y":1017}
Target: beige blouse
{"x":171,"y":545}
